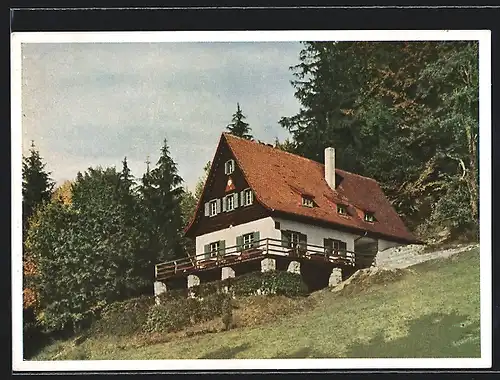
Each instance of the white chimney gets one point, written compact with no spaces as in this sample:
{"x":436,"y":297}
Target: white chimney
{"x":330,"y":167}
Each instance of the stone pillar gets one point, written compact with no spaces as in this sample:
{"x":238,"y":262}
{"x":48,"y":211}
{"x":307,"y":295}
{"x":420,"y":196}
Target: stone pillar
{"x":193,"y":281}
{"x":268,"y":265}
{"x":294,"y":267}
{"x":227,"y":272}
{"x":159,"y":288}
{"x":335,"y":277}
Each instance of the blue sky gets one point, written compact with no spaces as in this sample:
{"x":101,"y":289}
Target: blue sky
{"x":89,"y":104}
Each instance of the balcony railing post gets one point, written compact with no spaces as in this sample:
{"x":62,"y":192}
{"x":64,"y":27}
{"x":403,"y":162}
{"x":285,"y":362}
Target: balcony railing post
{"x":267,"y":246}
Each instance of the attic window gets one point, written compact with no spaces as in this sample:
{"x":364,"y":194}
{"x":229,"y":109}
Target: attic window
{"x":247,"y":197}
{"x":229,"y":167}
{"x":341,"y":209}
{"x":369,"y":217}
{"x":213,"y":207}
{"x":307,"y":201}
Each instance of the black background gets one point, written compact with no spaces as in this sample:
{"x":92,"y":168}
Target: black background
{"x":30,"y":17}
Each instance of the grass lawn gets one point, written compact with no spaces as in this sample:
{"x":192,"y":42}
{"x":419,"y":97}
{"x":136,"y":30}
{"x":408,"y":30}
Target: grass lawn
{"x":433,"y":311}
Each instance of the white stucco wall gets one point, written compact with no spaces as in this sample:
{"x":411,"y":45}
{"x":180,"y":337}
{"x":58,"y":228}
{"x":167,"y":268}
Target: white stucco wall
{"x":265,"y":227}
{"x":315,"y":234}
{"x":386,"y":244}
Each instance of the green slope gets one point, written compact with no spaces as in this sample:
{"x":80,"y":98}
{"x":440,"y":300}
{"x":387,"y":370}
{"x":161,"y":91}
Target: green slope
{"x":433,"y":311}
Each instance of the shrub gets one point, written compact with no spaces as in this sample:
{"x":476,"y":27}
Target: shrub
{"x":227,"y":313}
{"x":289,"y":284}
{"x":175,"y":314}
{"x":212,"y":306}
{"x":168,"y":316}
{"x":274,"y":282}
{"x":124,"y":318}
{"x":172,"y":294}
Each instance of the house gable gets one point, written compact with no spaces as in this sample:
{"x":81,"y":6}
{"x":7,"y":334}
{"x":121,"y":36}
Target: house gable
{"x":225,"y":178}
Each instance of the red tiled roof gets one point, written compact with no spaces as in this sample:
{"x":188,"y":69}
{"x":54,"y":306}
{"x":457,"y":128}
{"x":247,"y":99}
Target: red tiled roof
{"x":275,"y":176}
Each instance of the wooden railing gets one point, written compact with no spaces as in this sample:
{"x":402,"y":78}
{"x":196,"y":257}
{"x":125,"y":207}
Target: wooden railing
{"x":257,"y":249}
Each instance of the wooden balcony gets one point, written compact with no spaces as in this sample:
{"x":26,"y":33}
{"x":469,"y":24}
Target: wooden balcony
{"x":258,"y":250}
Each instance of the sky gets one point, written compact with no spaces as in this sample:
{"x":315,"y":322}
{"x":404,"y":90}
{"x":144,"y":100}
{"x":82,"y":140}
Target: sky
{"x":92,"y":104}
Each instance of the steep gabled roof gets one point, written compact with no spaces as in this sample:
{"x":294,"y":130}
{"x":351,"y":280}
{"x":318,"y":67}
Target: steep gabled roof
{"x":279,"y":178}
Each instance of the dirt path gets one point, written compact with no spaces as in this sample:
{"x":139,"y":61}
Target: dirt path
{"x":402,"y":257}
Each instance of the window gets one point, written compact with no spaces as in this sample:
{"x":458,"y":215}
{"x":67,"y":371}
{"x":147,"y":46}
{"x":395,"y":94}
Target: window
{"x":229,"y":167}
{"x":230,"y":202}
{"x":277,"y":225}
{"x":369,"y":217}
{"x":247,"y":241}
{"x":247,"y":197}
{"x":342,"y":209}
{"x":294,"y":239}
{"x":214,"y":248}
{"x":335,"y":247}
{"x":307,"y":202}
{"x":213,"y":207}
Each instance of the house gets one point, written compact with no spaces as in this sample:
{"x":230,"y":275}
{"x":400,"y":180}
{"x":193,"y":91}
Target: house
{"x":263,"y":208}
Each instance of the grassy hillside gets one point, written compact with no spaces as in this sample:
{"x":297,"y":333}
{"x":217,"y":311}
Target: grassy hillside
{"x":431,"y":311}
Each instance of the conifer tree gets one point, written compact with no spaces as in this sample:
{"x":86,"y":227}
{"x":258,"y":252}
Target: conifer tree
{"x":37,"y":184}
{"x":162,"y":193}
{"x":238,"y":126}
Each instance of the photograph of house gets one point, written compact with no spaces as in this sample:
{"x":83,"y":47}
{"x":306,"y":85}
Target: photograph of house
{"x":289,"y":198}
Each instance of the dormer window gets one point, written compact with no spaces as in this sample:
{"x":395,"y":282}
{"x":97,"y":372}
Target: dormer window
{"x":341,"y":209}
{"x":369,"y":217}
{"x":229,"y":167}
{"x":307,"y":201}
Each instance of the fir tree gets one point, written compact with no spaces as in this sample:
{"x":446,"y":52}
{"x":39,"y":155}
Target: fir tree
{"x":164,"y":205}
{"x":238,"y":126}
{"x":37,"y":184}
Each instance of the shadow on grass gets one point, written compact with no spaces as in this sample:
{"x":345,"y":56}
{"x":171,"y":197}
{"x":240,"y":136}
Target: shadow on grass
{"x":226,"y":352}
{"x":433,"y":335}
{"x":304,"y":352}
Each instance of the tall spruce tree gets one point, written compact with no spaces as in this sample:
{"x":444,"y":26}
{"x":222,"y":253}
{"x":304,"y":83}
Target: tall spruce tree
{"x":37,"y":184}
{"x":164,"y":204}
{"x":238,"y":126}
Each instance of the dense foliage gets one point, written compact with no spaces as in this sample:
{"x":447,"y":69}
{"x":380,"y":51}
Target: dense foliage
{"x":404,"y":113}
{"x":100,"y":244}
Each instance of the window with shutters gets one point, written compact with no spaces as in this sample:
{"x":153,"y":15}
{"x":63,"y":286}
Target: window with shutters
{"x":214,"y":248}
{"x":335,"y":247}
{"x":212,"y":207}
{"x":247,"y":197}
{"x":248,"y":240}
{"x":293,"y":239}
{"x":230,"y":202}
{"x":229,"y":167}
